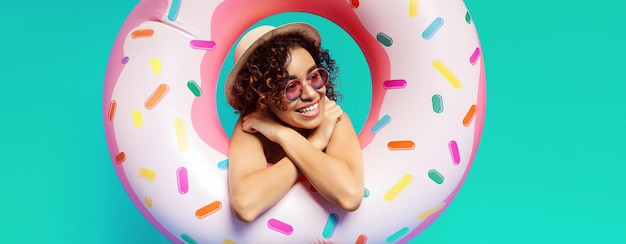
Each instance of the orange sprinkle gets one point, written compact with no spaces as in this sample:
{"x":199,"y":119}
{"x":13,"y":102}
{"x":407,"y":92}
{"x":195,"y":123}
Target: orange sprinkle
{"x":156,"y":96}
{"x":354,"y":3}
{"x":208,"y":209}
{"x":120,"y":158}
{"x":361,"y":240}
{"x":401,"y":145}
{"x":148,"y":201}
{"x":142,"y":33}
{"x":112,"y":108}
{"x":469,"y":116}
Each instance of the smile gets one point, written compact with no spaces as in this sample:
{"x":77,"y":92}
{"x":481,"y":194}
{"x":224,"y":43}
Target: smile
{"x":309,"y":109}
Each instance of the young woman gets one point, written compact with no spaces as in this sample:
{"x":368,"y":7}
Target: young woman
{"x":282,"y":87}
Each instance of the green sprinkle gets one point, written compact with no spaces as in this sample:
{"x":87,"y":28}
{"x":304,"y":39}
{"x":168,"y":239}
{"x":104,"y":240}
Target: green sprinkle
{"x":468,"y":18}
{"x":437,"y":103}
{"x":194,"y":88}
{"x":188,"y":239}
{"x":366,"y":193}
{"x":384,"y":39}
{"x":435,"y":176}
{"x":395,"y":236}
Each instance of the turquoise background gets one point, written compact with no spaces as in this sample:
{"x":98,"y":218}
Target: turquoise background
{"x":549,"y":168}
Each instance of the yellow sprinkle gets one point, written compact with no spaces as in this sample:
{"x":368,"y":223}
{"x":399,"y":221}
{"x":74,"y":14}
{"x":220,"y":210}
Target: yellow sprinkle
{"x":447,"y":74}
{"x":395,"y":189}
{"x":148,"y":201}
{"x":137,"y":118}
{"x":431,"y":211}
{"x":147,"y":174}
{"x":413,"y":8}
{"x":181,"y":137}
{"x":227,"y":241}
{"x":156,"y":65}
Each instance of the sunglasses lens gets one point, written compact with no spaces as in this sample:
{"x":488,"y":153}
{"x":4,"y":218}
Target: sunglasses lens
{"x":319,"y":78}
{"x":293,"y":90}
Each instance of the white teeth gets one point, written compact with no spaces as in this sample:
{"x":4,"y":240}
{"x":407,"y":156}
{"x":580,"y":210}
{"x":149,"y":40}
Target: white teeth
{"x":309,"y":109}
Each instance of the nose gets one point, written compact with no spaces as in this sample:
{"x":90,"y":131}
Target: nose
{"x":308,"y":93}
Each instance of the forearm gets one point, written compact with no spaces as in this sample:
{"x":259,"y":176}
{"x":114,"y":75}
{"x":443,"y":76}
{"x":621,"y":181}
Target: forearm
{"x":258,"y":191}
{"x":331,"y":176}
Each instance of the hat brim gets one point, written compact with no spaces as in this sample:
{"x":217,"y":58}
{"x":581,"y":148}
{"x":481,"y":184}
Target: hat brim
{"x":305,"y":29}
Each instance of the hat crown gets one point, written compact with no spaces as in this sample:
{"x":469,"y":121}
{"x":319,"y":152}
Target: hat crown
{"x":249,"y":38}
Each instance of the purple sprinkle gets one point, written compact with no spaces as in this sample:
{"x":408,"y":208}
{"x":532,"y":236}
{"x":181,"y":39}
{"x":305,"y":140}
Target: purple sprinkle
{"x":201,"y":44}
{"x":394,"y":84}
{"x":125,"y":60}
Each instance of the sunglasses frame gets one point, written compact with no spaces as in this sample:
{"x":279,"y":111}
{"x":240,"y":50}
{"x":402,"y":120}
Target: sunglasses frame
{"x":325,"y":78}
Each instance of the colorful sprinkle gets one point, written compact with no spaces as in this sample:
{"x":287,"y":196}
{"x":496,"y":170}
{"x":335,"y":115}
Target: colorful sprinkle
{"x":188,"y":239}
{"x":223,"y":165}
{"x":437,"y":103}
{"x":362,"y":239}
{"x":147,"y":174}
{"x":395,"y":236}
{"x":401,"y":145}
{"x":398,"y":187}
{"x":194,"y":88}
{"x":181,"y":136}
{"x":384,"y":39}
{"x":120,"y":157}
{"x":156,"y":96}
{"x":228,"y":241}
{"x":137,"y":118}
{"x":454,"y":152}
{"x":155,"y":63}
{"x":468,"y":18}
{"x":280,"y":226}
{"x":173,"y":14}
{"x":474,"y":56}
{"x":469,"y":116}
{"x":366,"y":193}
{"x":329,"y":228}
{"x":435,"y":176}
{"x":183,"y":181}
{"x":443,"y":70}
{"x":394,"y":84}
{"x":202,"y":44}
{"x":144,"y":33}
{"x":431,"y":211}
{"x":413,"y":8}
{"x":148,"y":201}
{"x":112,"y":108}
{"x":432,"y":29}
{"x":381,"y":123}
{"x":354,"y":3}
{"x":125,"y":60}
{"x":208,"y":209}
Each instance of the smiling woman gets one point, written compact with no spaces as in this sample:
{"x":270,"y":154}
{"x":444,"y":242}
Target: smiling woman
{"x":281,"y":85}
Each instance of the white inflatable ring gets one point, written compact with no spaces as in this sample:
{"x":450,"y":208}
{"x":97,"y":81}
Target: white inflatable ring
{"x":170,"y":151}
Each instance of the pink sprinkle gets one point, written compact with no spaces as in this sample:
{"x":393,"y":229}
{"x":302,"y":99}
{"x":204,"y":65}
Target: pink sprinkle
{"x":280,"y":226}
{"x":454,"y":152}
{"x":394,"y":84}
{"x":201,"y":44}
{"x":475,"y":56}
{"x":183,"y":182}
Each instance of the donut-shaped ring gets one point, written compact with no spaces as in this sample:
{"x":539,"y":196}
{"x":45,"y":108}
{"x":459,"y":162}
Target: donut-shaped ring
{"x":170,"y":150}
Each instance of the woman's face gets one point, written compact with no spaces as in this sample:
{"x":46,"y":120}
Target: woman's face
{"x":305,"y":112}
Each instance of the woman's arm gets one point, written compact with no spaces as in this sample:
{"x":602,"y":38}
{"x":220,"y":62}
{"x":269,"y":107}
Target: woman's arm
{"x":337,"y":173}
{"x":254,"y":187}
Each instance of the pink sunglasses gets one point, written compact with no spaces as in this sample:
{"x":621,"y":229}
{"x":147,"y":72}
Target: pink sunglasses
{"x":317,"y":80}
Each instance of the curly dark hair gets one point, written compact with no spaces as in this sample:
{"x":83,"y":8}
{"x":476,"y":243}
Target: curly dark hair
{"x":260,"y":83}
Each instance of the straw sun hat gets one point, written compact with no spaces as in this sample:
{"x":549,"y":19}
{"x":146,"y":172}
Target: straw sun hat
{"x":257,"y":36}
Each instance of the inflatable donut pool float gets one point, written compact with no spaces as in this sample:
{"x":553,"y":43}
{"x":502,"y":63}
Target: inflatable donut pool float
{"x":421,"y":134}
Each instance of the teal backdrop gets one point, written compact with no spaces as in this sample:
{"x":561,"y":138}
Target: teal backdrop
{"x":549,"y":168}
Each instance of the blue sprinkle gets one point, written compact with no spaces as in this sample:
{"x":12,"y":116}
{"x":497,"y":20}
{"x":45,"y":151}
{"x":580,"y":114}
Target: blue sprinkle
{"x":432,"y":28}
{"x":173,"y":14}
{"x":329,"y":228}
{"x":223,"y":165}
{"x":381,"y":123}
{"x":395,"y":236}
